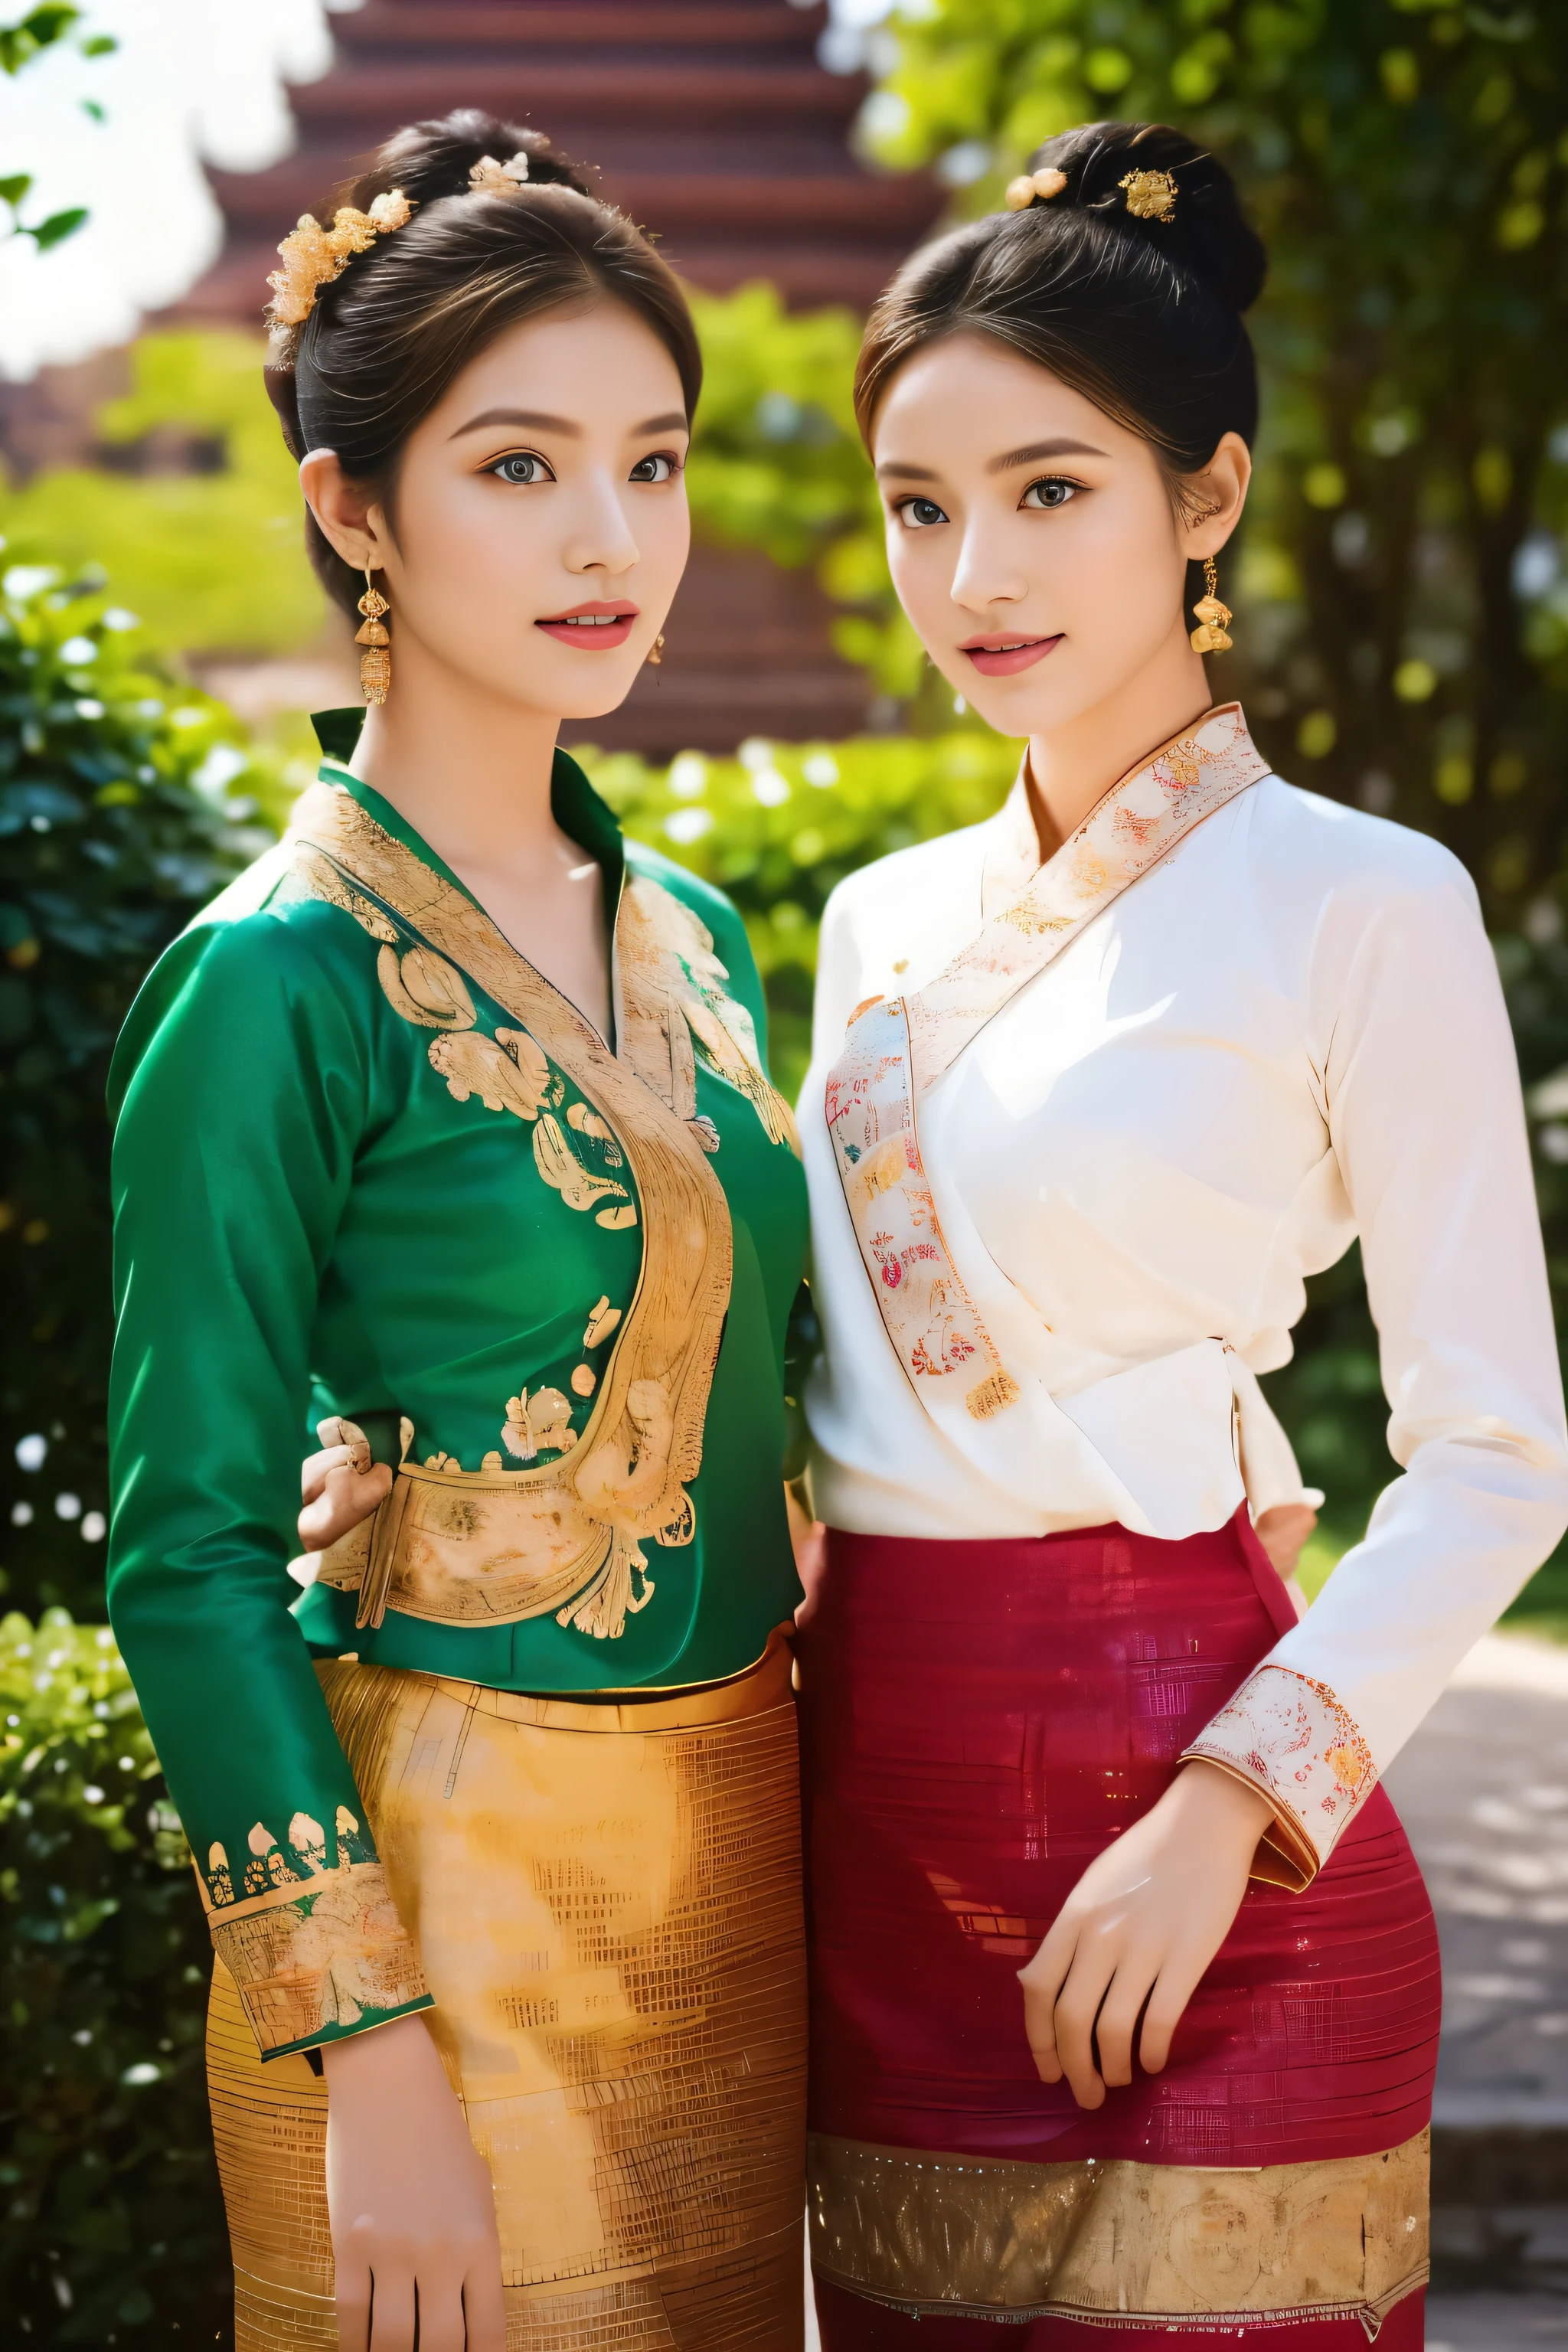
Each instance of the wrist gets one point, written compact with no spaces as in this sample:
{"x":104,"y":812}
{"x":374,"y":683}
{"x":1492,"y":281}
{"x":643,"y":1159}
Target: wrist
{"x":381,"y":2053}
{"x":1225,"y":1798}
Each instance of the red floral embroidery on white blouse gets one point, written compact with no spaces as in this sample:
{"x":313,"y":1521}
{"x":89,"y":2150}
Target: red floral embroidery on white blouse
{"x":1291,"y":1739}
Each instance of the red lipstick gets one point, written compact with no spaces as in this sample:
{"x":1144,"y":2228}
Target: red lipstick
{"x":593,"y":627}
{"x":1000,"y":652}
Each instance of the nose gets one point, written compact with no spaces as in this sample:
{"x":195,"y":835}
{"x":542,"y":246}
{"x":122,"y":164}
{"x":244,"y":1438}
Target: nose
{"x":599,"y":532}
{"x":986,"y":575}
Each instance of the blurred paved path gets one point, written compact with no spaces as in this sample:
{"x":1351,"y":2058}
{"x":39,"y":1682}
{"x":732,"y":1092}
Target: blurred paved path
{"x":1482,"y":1789}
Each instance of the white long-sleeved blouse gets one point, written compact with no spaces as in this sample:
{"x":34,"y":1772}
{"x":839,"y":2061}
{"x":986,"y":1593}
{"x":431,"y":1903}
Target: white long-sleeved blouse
{"x":1288,"y":1032}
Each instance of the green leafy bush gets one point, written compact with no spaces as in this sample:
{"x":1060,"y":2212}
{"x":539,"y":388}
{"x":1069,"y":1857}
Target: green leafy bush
{"x":194,"y":509}
{"x":113,"y":2229}
{"x":117,"y":820}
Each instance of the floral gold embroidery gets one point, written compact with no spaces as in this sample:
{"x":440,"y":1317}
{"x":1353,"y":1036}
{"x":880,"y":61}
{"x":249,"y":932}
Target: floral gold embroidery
{"x":424,"y":988}
{"x":578,"y":1186}
{"x":561,"y":1534}
{"x":601,"y":1323}
{"x":540,"y":1423}
{"x":473,"y":1064}
{"x":674,"y":997}
{"x":533,"y":1066}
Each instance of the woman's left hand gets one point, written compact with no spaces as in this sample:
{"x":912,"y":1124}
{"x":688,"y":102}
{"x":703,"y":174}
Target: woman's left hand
{"x":338,"y":1489}
{"x":1141,"y":1926}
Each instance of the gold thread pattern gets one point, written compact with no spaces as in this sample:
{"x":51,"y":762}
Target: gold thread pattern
{"x":1119,"y":2244}
{"x":566,"y":1534}
{"x":619,"y":1998}
{"x":673,"y":998}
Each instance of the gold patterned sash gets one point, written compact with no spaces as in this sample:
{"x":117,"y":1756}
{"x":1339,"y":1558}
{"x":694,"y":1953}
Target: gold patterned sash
{"x":562,"y":1536}
{"x":896,"y":1049}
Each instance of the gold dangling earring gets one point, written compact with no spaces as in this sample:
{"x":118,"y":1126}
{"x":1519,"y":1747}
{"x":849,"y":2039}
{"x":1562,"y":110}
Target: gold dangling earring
{"x":1209,"y":636}
{"x":656,"y":652}
{"x":375,"y":662}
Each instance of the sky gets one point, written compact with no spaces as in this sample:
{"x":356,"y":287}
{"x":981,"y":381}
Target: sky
{"x":191,"y":80}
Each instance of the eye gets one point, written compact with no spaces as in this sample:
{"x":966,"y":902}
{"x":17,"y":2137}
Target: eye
{"x":663,"y":467}
{"x":520,"y":470}
{"x":920,"y":514}
{"x":1054,"y":490}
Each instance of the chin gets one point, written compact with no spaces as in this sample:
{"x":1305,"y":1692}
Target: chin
{"x":1030,"y":705}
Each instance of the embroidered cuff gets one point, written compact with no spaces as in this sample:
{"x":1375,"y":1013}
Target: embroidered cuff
{"x":317,"y":1952}
{"x":1288,"y":1736}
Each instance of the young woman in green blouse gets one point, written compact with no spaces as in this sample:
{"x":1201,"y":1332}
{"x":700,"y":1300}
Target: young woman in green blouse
{"x":446,"y":1132}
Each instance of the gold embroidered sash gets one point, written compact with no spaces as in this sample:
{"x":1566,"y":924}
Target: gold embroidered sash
{"x":896,"y":1048}
{"x":499,"y":1544}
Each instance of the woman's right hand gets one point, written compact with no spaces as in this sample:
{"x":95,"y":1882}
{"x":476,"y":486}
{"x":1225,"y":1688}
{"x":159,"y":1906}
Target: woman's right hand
{"x":336,"y":1493}
{"x":412,"y":2212}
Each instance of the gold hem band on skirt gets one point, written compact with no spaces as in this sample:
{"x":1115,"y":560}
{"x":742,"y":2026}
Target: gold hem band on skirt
{"x":1119,"y":2244}
{"x":606,"y":1899}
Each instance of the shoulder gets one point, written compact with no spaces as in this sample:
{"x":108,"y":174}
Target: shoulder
{"x":249,"y":980}
{"x":1318,"y":849}
{"x":925,"y":876}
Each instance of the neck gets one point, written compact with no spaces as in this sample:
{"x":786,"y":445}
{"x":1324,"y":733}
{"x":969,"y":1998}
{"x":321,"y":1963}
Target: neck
{"x":469,"y":770}
{"x":1070,"y":768}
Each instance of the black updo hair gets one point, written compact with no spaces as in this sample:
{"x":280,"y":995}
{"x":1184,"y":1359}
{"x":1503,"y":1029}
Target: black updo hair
{"x":385,"y":340}
{"x":1142,"y":315}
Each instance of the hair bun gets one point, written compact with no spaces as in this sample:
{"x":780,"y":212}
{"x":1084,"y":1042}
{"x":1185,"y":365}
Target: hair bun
{"x":1205,"y":231}
{"x":431,"y":160}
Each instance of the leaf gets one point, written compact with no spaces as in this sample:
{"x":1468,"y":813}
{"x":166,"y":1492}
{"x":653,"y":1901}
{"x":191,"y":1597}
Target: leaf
{"x":57,"y":228}
{"x":38,"y":31}
{"x":15,"y":187}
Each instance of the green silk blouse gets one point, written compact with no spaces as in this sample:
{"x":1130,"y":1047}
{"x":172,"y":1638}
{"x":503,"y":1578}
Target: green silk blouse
{"x":328,"y":1202}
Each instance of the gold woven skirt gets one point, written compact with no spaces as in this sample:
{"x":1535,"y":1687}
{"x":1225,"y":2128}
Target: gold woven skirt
{"x":606,"y":1899}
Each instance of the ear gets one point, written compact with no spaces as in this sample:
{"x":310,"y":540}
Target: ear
{"x":1213,"y":498}
{"x":349,"y":515}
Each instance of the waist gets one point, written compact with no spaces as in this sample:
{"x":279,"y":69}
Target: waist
{"x":1068,"y":1599}
{"x":757,"y":1689}
{"x":494,"y":1547}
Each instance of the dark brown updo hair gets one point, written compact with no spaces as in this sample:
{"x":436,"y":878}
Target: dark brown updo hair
{"x":1142,"y":315}
{"x":386,"y":338}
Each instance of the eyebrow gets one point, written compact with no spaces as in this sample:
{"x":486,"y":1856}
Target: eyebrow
{"x":1038,"y":450}
{"x":539,"y":420}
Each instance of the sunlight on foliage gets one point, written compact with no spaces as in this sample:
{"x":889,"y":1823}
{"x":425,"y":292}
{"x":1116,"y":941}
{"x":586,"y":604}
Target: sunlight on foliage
{"x":206,"y":542}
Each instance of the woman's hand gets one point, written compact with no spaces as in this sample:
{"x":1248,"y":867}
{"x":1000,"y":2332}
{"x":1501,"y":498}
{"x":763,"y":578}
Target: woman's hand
{"x":337,"y":1494}
{"x":412,"y":2209}
{"x":1282,"y":1531}
{"x":1141,"y":1926}
{"x":809,"y":1538}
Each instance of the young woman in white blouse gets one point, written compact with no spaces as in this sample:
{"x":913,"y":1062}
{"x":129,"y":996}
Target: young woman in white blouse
{"x":1097,"y":1085}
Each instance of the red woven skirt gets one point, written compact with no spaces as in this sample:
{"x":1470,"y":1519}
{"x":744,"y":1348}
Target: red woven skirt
{"x":979,"y":1720}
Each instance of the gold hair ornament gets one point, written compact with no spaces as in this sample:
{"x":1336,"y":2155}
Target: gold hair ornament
{"x":313,"y":255}
{"x":1210,"y":636}
{"x":1151,"y":196}
{"x":1021,"y":192}
{"x":488,"y":178}
{"x":375,"y":662}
